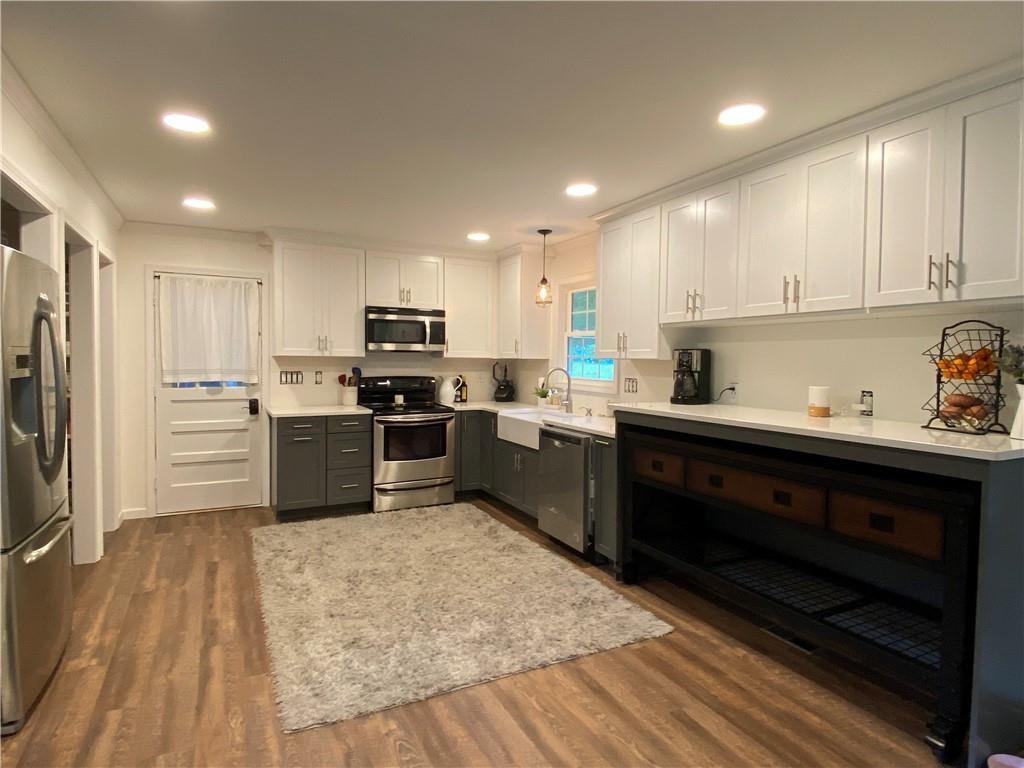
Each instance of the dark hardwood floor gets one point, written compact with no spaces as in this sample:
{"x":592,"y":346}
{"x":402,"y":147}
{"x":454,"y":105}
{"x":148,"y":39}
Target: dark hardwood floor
{"x":167,"y":666}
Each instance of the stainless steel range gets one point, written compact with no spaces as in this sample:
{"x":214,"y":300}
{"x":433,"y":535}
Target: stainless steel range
{"x":413,"y":442}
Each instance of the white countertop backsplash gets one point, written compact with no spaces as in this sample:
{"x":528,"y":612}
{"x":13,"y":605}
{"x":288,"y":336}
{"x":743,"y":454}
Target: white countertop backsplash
{"x":866,"y":430}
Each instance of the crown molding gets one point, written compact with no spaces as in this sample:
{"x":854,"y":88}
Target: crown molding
{"x":912,"y":104}
{"x":342,"y":240}
{"x":21,"y":97}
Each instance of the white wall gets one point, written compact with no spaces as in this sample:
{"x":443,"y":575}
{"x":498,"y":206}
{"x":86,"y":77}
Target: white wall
{"x":150,"y":245}
{"x":774,"y":362}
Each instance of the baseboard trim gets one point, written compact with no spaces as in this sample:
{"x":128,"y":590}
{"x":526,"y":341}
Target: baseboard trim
{"x":134,"y":513}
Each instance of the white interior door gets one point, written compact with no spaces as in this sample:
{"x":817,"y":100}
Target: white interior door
{"x":208,"y":448}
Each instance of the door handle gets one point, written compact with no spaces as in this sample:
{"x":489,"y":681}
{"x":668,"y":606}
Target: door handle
{"x":35,"y":554}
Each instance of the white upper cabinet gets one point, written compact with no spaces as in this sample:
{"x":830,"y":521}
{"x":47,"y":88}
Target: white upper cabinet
{"x":523,"y":327}
{"x":830,"y":273}
{"x":404,"y":280}
{"x":771,"y":239}
{"x":469,"y":307}
{"x":343,"y":302}
{"x":982,"y":254}
{"x":904,"y":215}
{"x":718,"y":224}
{"x":629,"y":259}
{"x":318,"y":300}
{"x":682,"y":261}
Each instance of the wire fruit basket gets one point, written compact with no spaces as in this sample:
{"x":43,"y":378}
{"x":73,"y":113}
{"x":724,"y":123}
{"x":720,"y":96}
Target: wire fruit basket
{"x":968,"y":383}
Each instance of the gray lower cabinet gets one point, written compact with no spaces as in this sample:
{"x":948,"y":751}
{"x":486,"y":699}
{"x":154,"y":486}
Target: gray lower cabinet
{"x":300,"y":470}
{"x":488,"y":437}
{"x":321,"y":461}
{"x":604,"y":464}
{"x":467,"y":453}
{"x":515,"y":475}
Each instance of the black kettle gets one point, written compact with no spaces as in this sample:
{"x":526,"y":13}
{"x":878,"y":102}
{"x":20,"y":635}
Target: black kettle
{"x":505,"y":392}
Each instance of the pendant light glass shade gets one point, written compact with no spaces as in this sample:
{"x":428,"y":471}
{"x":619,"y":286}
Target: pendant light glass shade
{"x":543,"y":295}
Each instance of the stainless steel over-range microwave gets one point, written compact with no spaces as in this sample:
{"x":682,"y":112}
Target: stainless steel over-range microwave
{"x":403,"y":329}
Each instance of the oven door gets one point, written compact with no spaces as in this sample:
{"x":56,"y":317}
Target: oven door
{"x":413,"y":447}
{"x":403,"y":333}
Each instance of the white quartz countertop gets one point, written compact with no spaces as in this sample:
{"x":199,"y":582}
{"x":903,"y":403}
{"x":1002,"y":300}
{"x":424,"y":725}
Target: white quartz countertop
{"x":491,"y":406}
{"x":284,"y":412}
{"x":865,"y":430}
{"x":593,"y":425}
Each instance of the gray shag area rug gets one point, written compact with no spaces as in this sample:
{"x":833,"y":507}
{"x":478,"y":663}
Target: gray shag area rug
{"x":368,"y":612}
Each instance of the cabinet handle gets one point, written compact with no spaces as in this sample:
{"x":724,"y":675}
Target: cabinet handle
{"x":796,"y":291}
{"x":350,"y":423}
{"x":302,"y":426}
{"x":883,"y":523}
{"x":625,"y":344}
{"x":349,"y":485}
{"x":517,"y":346}
{"x":782,"y":498}
{"x":949,"y":283}
{"x":716,"y":481}
{"x":408,"y":295}
{"x":350,"y":450}
{"x":697,"y":296}
{"x":300,"y":439}
{"x":689,"y":309}
{"x":601,"y":442}
{"x":785,"y":291}
{"x":931,"y":265}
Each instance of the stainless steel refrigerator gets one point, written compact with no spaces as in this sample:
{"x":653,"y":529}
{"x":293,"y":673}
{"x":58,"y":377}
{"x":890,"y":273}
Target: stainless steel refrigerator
{"x":35,"y":530}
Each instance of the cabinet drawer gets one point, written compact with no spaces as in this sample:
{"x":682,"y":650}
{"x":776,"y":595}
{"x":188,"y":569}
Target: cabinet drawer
{"x":301,"y":426}
{"x":347,"y":486}
{"x":345,"y":451}
{"x":766,"y":493}
{"x":657,"y":465}
{"x":337,"y":424}
{"x":910,"y":529}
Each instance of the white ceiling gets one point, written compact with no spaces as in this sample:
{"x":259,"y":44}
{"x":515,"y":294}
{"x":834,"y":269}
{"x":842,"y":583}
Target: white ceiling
{"x":422,"y":122}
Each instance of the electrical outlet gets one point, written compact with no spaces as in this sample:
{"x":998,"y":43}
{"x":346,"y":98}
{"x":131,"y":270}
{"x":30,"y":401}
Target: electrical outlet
{"x":319,"y":377}
{"x":631,"y":385}
{"x":732,"y":396}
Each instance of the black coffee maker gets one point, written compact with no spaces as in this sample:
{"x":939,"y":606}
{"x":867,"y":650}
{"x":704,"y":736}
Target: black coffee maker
{"x":692,"y":377}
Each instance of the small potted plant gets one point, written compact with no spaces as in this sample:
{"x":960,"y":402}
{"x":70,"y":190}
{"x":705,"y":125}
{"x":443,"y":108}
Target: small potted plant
{"x":1011,"y":362}
{"x":542,"y":395}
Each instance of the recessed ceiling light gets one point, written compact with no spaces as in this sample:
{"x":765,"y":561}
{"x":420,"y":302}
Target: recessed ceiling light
{"x":580,"y":190}
{"x":741,"y":114}
{"x":198,"y":203}
{"x":478,"y":237}
{"x":186,"y":123}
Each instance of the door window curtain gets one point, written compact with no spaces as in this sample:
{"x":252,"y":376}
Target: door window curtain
{"x":209,"y":329}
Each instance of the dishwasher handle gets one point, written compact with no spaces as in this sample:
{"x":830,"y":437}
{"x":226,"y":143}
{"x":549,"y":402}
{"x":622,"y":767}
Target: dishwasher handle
{"x":561,"y":439}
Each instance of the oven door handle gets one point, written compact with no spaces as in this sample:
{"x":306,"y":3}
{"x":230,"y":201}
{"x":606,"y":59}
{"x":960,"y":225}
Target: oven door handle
{"x":420,"y":420}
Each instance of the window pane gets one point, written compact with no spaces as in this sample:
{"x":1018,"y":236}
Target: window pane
{"x":592,"y":298}
{"x":583,"y":360}
{"x":579,"y":301}
{"x":606,"y":370}
{"x":591,"y":321}
{"x":579,"y":321}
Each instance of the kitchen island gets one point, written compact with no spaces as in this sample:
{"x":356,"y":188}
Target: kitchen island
{"x":894,"y":545}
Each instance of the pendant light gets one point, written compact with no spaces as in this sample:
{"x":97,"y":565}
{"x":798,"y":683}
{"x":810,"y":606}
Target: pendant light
{"x":543,"y":297}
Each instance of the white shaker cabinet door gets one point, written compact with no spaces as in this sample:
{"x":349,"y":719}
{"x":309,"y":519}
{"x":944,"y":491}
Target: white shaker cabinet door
{"x":297,"y":300}
{"x":832,"y":266}
{"x":469,"y":308}
{"x":983,"y":255}
{"x":717,"y":219}
{"x":343,"y":301}
{"x":613,"y":282}
{"x":644,"y":340}
{"x":423,"y":281}
{"x":682,"y":263}
{"x":509,"y":306}
{"x":384,"y":279}
{"x":771,"y":239}
{"x":904,"y":213}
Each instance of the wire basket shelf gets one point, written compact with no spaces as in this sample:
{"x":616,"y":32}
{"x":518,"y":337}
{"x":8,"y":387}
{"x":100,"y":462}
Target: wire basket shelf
{"x":968,"y":383}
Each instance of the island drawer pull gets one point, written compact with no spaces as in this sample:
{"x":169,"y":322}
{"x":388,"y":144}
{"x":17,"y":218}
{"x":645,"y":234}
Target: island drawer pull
{"x":883,"y":523}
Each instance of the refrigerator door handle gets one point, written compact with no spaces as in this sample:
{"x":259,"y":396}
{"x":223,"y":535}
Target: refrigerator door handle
{"x":32,"y":555}
{"x":50,"y":465}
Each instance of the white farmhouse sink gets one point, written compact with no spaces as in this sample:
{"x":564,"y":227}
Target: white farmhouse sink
{"x":521,"y":426}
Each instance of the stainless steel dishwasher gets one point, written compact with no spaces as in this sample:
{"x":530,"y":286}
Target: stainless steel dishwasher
{"x":565,"y":487}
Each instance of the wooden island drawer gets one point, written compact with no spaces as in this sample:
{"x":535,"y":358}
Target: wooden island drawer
{"x":766,"y":493}
{"x":910,"y":529}
{"x":668,"y":468}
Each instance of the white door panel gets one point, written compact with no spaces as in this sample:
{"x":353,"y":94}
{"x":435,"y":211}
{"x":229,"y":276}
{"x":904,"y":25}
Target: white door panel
{"x":509,"y":306}
{"x":834,"y":180}
{"x":643,"y":333}
{"x":297,"y":328}
{"x":423,"y":281}
{"x":717,"y":218}
{"x":383,"y":279}
{"x":613,"y":281}
{"x":208,"y":449}
{"x":905,"y":180}
{"x":682,"y":263}
{"x":983,"y":256}
{"x":469,"y":303}
{"x":341,"y":288}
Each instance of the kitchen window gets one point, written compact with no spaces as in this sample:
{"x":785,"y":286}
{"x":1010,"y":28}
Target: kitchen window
{"x":589,"y":372}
